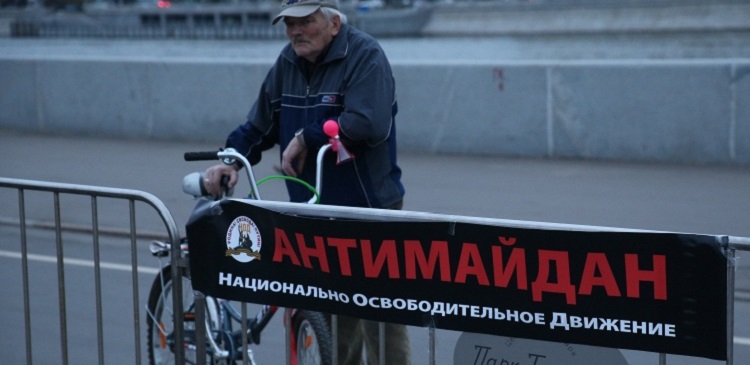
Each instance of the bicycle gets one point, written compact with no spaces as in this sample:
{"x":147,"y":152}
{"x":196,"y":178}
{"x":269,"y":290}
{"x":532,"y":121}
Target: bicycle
{"x":310,"y":340}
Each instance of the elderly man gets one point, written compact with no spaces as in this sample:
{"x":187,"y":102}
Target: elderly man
{"x":329,"y":70}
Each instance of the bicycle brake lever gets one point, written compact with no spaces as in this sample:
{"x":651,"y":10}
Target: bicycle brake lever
{"x":225,"y":186}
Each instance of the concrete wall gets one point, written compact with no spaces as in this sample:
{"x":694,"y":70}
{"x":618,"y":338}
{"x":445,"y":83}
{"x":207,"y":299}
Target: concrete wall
{"x":696,"y":112}
{"x":670,"y":111}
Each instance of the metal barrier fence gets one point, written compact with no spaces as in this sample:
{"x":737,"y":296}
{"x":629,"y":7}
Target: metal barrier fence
{"x":95,"y":193}
{"x":35,"y":29}
{"x":731,"y":245}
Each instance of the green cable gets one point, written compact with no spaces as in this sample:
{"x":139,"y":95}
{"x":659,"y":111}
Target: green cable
{"x":300,"y":181}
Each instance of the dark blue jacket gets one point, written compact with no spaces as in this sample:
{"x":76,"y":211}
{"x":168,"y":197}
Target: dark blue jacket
{"x":353,"y":84}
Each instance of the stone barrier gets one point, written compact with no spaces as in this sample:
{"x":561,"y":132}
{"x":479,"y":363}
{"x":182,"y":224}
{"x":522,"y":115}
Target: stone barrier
{"x":691,"y":111}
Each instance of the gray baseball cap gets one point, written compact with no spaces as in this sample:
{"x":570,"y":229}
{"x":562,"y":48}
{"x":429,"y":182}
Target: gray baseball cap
{"x":303,"y":8}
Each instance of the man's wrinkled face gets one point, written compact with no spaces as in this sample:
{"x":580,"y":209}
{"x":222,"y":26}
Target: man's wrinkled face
{"x":312,"y":34}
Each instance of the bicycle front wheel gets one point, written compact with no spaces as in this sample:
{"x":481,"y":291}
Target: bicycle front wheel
{"x":160,"y":323}
{"x":312,"y":336}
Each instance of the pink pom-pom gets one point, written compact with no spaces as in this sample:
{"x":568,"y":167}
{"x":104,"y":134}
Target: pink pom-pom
{"x":331,"y":128}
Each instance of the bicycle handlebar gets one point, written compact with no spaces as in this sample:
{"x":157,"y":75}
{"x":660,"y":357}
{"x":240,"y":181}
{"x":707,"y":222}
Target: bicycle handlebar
{"x":201,"y":156}
{"x":230,"y":156}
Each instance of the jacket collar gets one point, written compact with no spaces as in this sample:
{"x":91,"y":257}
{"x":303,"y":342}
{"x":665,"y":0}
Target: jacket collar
{"x":339,"y":46}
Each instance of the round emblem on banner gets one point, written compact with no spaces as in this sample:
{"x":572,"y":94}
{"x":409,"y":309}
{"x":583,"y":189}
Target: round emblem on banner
{"x":243,"y":240}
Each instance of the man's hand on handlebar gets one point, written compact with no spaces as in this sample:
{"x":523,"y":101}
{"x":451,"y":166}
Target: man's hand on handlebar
{"x":212,"y":178}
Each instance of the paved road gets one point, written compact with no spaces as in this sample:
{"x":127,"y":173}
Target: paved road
{"x":697,"y":199}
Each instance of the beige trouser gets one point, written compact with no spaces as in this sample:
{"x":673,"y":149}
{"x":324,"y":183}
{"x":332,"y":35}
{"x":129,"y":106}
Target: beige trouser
{"x":353,"y":333}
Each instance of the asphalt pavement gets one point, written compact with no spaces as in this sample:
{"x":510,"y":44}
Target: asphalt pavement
{"x":680,"y":198}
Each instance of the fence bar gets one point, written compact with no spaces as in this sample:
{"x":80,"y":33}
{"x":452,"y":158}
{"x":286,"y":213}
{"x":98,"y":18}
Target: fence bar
{"x":200,"y":327}
{"x":287,"y":336}
{"x":177,"y":305}
{"x":25,"y":274}
{"x":136,"y":299}
{"x":61,"y":282}
{"x":245,"y":360}
{"x":97,"y":280}
{"x":381,"y":343}
{"x":739,"y":243}
{"x":730,"y":303}
{"x":343,"y":212}
{"x":431,"y":344}
{"x":335,"y":339}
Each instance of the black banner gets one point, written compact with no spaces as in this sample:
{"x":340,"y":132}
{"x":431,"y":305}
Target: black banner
{"x":658,"y":292}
